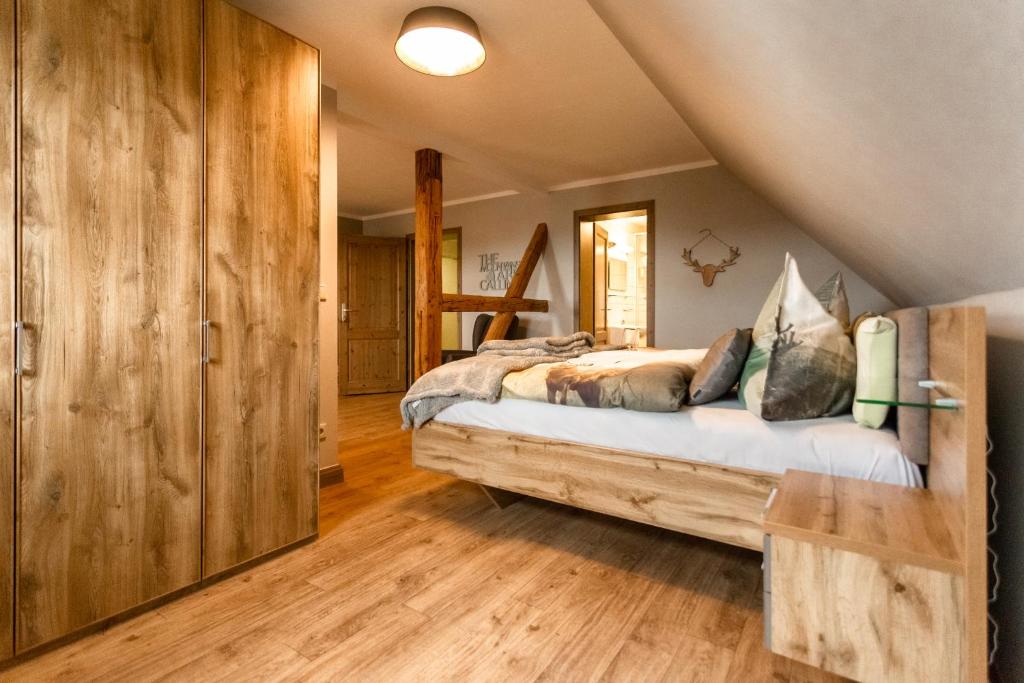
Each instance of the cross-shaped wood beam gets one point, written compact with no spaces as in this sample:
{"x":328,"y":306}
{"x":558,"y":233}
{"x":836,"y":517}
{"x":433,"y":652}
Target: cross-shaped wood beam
{"x":503,"y":320}
{"x":472,"y":303}
{"x":430,"y":301}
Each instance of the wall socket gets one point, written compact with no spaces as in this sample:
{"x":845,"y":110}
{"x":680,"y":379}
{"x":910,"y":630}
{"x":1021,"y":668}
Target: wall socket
{"x":323,"y":431}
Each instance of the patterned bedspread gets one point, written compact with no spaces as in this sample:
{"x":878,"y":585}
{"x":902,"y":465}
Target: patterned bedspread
{"x":649,"y":381}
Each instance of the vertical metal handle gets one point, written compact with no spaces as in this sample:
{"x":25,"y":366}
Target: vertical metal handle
{"x":344,"y":313}
{"x":206,"y":342}
{"x":19,"y":348}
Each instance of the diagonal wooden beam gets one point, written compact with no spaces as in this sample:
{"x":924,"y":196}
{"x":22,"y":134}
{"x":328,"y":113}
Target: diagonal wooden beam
{"x":502,"y":321}
{"x":471,"y":303}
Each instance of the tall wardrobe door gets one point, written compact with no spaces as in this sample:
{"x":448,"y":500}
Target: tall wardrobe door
{"x":6,"y":326}
{"x":109,"y":456}
{"x":262,"y":171}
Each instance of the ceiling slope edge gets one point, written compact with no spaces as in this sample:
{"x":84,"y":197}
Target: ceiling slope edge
{"x":857,"y":162}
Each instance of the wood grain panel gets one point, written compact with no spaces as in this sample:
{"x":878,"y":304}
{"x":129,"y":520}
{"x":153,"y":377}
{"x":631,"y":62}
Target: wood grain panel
{"x":109,"y":459}
{"x":7,"y":251}
{"x":886,"y":521}
{"x":957,"y":461}
{"x":864,"y":618}
{"x":719,"y":503}
{"x":372,"y":335}
{"x":262,"y":223}
{"x":427,"y":314}
{"x":475,"y":303}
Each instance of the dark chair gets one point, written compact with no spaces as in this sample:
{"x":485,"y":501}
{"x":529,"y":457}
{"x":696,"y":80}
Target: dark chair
{"x":483,"y":321}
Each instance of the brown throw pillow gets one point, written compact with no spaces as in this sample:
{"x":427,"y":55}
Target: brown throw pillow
{"x":721,"y":368}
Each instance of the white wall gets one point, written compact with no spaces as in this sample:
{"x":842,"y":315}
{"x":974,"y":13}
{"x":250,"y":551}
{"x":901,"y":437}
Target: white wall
{"x":687,"y":314}
{"x":329,"y":274}
{"x":890,"y":130}
{"x":1006,"y":428}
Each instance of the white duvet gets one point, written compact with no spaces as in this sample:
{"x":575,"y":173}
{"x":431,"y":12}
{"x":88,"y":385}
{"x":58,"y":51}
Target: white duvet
{"x":722,"y":432}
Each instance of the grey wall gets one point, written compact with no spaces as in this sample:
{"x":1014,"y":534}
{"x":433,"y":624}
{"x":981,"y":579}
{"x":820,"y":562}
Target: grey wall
{"x":1006,"y":427}
{"x":687,"y":314}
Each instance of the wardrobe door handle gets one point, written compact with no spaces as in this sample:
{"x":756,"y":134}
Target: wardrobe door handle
{"x":19,"y":348}
{"x":206,"y":342}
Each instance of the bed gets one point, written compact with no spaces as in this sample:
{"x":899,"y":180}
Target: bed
{"x":705,"y":487}
{"x":720,"y":433}
{"x":707,"y":471}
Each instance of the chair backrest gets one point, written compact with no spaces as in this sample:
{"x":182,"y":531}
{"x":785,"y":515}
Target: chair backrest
{"x":483,"y":321}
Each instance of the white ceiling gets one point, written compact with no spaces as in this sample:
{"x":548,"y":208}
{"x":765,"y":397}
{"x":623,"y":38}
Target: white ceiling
{"x":559,"y":100}
{"x":376,"y":173}
{"x":892,"y":132}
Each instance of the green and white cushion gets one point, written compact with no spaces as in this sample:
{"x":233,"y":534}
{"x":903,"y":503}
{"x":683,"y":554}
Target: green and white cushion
{"x":801,"y":363}
{"x":876,"y":369}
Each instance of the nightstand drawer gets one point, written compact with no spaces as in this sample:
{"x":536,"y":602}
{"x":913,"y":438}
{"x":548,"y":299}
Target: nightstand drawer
{"x":861,"y":617}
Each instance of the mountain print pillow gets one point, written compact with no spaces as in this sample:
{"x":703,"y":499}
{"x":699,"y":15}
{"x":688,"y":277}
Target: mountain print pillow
{"x":801,"y":363}
{"x":832,"y":297}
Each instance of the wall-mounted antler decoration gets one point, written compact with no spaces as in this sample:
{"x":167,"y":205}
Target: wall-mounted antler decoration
{"x":708,"y":271}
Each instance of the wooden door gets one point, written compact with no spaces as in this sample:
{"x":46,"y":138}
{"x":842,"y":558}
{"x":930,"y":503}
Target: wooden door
{"x":262,"y":287}
{"x":600,"y":284}
{"x":372,"y":329}
{"x":110,"y":174}
{"x":7,"y":251}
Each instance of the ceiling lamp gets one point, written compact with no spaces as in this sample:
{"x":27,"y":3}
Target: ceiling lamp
{"x":440,"y":41}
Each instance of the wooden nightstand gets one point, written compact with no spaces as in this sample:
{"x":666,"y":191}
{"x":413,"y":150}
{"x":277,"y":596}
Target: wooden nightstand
{"x":863,"y":580}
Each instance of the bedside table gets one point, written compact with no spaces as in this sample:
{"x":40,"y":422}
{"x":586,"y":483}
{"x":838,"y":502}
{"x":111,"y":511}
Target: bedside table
{"x":863,"y":580}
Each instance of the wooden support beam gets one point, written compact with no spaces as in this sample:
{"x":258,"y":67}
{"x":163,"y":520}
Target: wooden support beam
{"x":501,"y":498}
{"x":472,"y":303}
{"x":427,"y":322}
{"x":499,"y":326}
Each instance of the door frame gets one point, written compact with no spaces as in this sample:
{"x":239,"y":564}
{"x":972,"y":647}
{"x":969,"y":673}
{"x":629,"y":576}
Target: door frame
{"x":601,"y":213}
{"x":403,"y":296}
{"x":600,"y":332}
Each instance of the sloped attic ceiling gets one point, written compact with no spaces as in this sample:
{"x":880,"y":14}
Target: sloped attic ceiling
{"x":891,"y":131}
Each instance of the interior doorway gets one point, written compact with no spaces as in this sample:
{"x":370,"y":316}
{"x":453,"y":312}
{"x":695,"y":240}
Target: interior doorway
{"x":615,"y":273}
{"x":372,"y":316}
{"x":451,"y":283}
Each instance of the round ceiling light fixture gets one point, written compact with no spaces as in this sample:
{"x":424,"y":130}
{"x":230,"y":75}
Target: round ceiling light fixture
{"x":440,"y":41}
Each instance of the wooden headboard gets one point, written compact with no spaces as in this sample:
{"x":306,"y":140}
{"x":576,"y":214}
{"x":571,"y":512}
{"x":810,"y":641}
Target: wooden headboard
{"x":957,"y":465}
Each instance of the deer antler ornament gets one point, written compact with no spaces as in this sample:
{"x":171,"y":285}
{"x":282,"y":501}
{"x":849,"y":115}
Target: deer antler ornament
{"x":709,"y":271}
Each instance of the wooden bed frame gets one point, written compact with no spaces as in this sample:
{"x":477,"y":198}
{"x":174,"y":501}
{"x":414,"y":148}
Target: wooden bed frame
{"x":721,"y":503}
{"x":715,"y":501}
{"x":727,"y":504}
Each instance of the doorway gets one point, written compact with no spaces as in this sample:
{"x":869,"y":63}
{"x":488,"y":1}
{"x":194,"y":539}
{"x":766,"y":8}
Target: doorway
{"x":614,"y":247}
{"x":372,"y":320}
{"x":451,"y":283}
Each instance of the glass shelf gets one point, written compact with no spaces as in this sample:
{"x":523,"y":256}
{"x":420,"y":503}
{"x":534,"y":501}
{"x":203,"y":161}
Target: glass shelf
{"x":907,"y":404}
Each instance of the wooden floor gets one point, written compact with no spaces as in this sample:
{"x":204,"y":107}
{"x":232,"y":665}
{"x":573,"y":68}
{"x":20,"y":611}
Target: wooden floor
{"x":418,"y":577}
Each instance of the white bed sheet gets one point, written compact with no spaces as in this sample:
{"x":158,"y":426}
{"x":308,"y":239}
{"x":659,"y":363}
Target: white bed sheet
{"x":722,"y":432}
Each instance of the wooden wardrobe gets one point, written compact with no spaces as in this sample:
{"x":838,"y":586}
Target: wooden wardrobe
{"x":159,"y":199}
